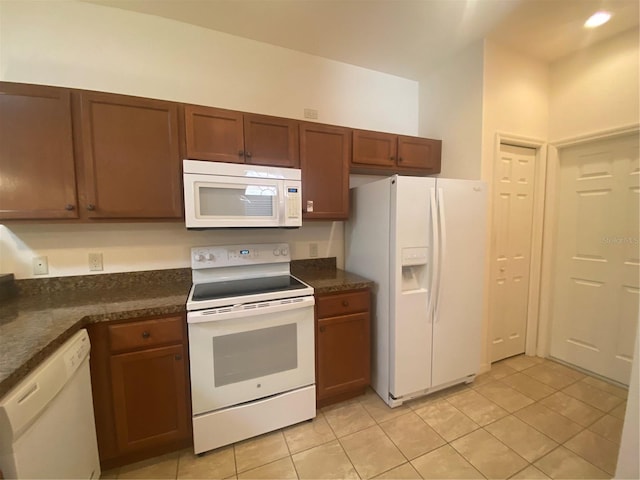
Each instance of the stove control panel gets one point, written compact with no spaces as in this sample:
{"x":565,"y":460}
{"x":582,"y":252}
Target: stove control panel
{"x":237,"y":255}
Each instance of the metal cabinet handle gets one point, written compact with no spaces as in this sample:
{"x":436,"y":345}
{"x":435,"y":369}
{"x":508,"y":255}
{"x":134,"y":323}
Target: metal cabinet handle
{"x":392,"y":158}
{"x":240,"y":153}
{"x":399,"y":159}
{"x":69,"y":207}
{"x":91,"y":207}
{"x":345,"y":303}
{"x":145,"y":334}
{"x":248,"y":154}
{"x":322,"y":329}
{"x":178,"y":357}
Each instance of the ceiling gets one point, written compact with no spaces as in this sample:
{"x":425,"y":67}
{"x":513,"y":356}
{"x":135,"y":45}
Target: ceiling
{"x":400,"y":37}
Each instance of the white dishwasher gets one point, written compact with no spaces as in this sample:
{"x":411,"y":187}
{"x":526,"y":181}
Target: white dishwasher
{"x":47,"y":427}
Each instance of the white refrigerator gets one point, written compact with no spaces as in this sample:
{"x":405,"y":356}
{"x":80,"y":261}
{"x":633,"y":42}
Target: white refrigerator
{"x":422,"y":240}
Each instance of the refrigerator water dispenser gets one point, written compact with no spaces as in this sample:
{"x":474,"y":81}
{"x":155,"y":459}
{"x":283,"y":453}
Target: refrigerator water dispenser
{"x":414,"y":269}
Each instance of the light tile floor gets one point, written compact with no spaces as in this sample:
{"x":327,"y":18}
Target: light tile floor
{"x":527,"y":418}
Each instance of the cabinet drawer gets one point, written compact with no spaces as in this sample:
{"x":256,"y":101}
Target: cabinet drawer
{"x":146,"y":333}
{"x":342,"y":303}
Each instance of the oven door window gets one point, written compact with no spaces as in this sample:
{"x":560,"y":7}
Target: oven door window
{"x":254,"y":354}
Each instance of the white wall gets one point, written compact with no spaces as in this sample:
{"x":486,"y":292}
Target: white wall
{"x":73,"y":44}
{"x":516,"y":99}
{"x":150,"y":246}
{"x":451,"y":110}
{"x":596,"y":89}
{"x":515,"y":103}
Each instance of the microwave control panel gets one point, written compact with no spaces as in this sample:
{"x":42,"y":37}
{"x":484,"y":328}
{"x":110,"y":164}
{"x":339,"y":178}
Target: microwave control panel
{"x":293,"y":201}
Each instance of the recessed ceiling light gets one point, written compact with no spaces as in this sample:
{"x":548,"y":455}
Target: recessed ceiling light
{"x":597,"y":19}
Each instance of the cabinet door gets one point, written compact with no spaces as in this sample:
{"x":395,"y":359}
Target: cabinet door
{"x":324,"y":158}
{"x":419,"y":153}
{"x":149,"y":397}
{"x":343,"y":354}
{"x":131,"y":157}
{"x":374,"y":149}
{"x":214,"y":134}
{"x":36,"y":153}
{"x":271,"y":141}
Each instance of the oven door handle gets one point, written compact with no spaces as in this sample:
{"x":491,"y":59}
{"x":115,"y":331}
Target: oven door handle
{"x":248,"y":310}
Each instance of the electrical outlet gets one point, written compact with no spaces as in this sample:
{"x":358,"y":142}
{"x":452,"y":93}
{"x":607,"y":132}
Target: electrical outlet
{"x":95,"y":262}
{"x":313,"y":250}
{"x":311,"y":113}
{"x":40,"y":265}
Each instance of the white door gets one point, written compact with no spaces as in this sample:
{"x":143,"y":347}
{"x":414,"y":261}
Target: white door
{"x":595,"y":290}
{"x":511,"y":249}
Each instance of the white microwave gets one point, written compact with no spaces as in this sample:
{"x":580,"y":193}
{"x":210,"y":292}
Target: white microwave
{"x":224,"y":195}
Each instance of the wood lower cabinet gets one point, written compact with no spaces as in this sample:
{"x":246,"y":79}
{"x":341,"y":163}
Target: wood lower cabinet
{"x":343,"y":345}
{"x":324,"y":160}
{"x":131,"y":157}
{"x":139,"y":377}
{"x":220,"y":135}
{"x":377,"y":152}
{"x":37,"y":165}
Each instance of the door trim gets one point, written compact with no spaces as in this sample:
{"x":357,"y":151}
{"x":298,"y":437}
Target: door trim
{"x":549,"y":227}
{"x":537,"y":224}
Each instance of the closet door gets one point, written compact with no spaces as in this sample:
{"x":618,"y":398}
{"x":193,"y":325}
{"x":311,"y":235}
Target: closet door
{"x":596,"y":288}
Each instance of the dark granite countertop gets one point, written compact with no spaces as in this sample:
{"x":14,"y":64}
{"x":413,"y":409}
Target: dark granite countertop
{"x":46,"y":312}
{"x":324,"y":277}
{"x":49,"y":311}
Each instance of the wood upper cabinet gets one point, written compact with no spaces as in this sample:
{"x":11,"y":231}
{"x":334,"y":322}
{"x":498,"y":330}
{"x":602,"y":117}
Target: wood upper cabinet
{"x":130,"y":157}
{"x":419,"y":153}
{"x":271,"y":141}
{"x":374,"y":149}
{"x":213,"y":134}
{"x":343,"y":345}
{"x":376,"y":152}
{"x":221,"y":135}
{"x":324,"y":160}
{"x":139,"y":377}
{"x":37,"y":173}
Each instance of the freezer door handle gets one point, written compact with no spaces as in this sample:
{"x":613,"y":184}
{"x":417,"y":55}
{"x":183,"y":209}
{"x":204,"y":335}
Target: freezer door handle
{"x":442,"y":250}
{"x":435,"y":256}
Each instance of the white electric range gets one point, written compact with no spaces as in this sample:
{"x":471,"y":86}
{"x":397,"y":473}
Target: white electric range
{"x":251,"y":343}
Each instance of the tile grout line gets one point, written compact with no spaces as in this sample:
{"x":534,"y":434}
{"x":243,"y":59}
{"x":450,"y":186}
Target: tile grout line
{"x":342,"y":446}
{"x":289,"y":448}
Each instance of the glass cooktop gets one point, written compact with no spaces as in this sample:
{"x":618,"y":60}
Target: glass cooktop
{"x":250,"y":286}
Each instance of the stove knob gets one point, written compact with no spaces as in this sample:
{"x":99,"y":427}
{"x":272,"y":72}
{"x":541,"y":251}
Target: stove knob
{"x":198,"y":257}
{"x":209,"y":257}
{"x":276,"y":252}
{"x":284,"y":252}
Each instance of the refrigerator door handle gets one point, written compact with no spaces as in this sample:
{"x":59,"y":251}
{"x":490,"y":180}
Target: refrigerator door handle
{"x":442,"y":250}
{"x":435,"y":257}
